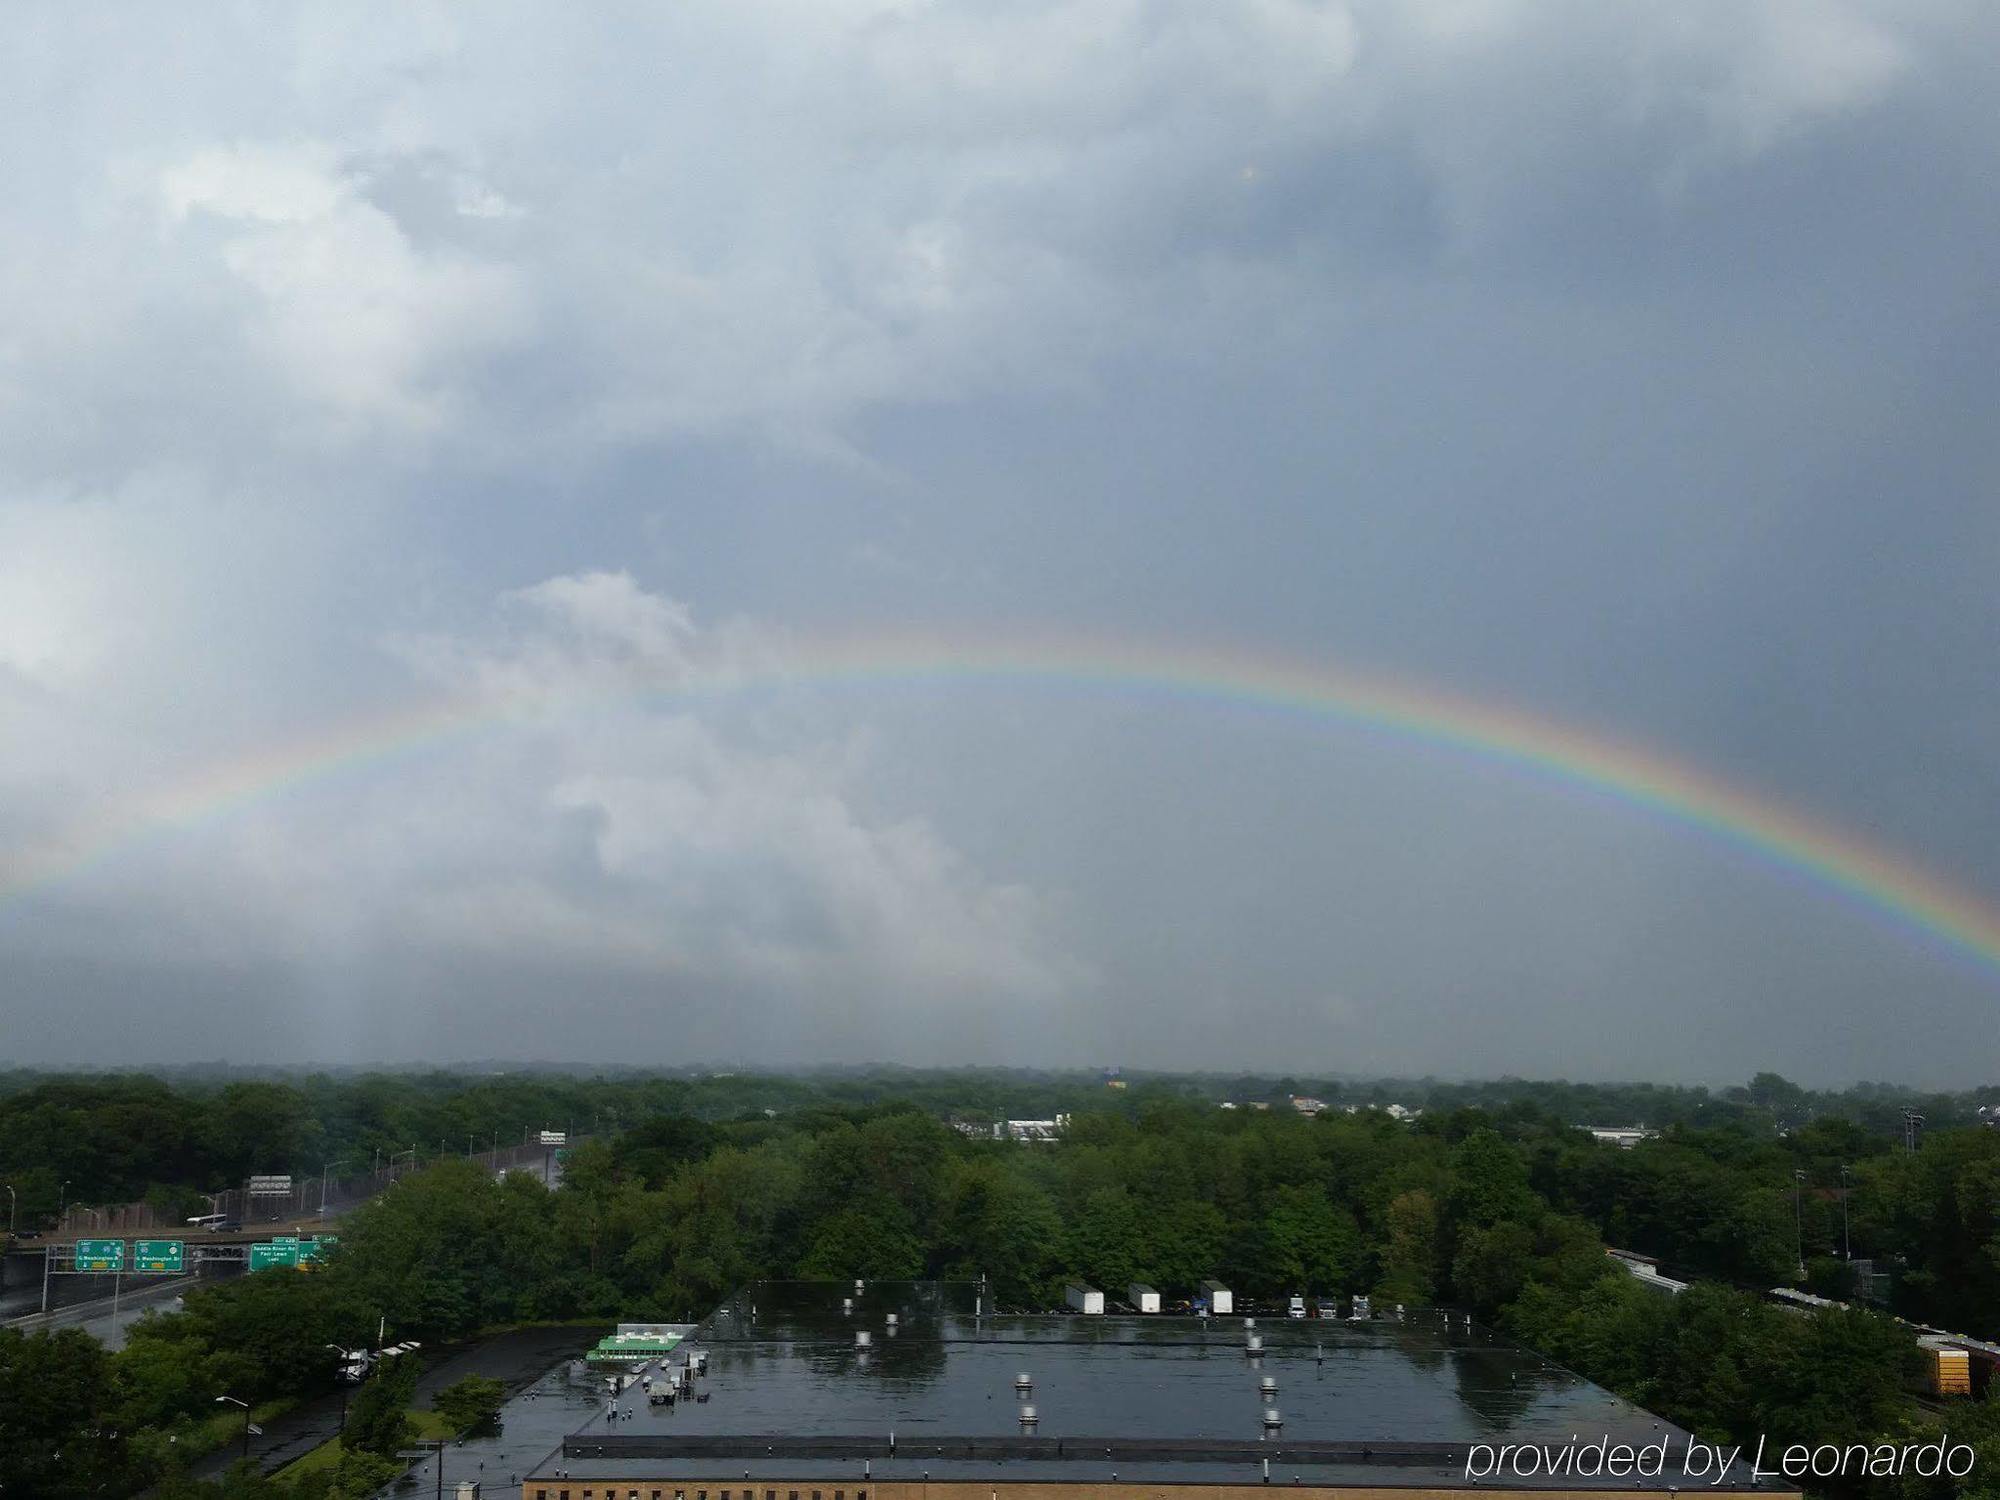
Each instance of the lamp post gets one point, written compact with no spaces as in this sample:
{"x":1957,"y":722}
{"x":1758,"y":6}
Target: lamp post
{"x":246,"y":1419}
{"x":349,"y":1357}
{"x":1799,"y":1216}
{"x":13,"y":1204}
{"x":324,"y":1169}
{"x":1846,"y":1241}
{"x":62,"y":1205}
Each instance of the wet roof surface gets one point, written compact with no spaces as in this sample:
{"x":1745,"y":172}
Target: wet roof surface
{"x":1177,"y":1397}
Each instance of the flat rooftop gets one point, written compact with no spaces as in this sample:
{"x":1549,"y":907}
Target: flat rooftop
{"x":790,"y":1392}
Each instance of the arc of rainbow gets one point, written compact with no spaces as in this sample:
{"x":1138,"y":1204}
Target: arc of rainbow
{"x":1888,"y":884}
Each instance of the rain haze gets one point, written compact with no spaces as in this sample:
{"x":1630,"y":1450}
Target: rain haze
{"x":621,"y":534}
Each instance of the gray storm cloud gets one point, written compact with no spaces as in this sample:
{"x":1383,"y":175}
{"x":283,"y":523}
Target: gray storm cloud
{"x":1624,"y":365}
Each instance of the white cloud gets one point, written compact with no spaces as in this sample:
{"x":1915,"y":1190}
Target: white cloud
{"x":351,"y":312}
{"x":595,"y":820}
{"x":710,"y":852}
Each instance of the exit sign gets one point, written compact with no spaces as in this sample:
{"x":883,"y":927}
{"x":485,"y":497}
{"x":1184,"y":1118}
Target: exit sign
{"x":100,"y":1255}
{"x":270,"y":1253}
{"x":159,"y":1255}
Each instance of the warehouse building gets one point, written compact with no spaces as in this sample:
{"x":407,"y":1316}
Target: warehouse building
{"x":917,"y":1391}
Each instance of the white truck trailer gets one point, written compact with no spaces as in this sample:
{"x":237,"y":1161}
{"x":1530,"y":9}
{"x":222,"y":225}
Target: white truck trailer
{"x":1144,"y":1298}
{"x":1220,"y":1300}
{"x":1085,"y":1299}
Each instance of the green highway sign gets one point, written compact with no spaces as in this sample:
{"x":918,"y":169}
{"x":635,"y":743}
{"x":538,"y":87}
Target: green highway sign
{"x":159,"y":1255}
{"x":313,"y":1248}
{"x":266,"y":1254}
{"x":100,"y":1255}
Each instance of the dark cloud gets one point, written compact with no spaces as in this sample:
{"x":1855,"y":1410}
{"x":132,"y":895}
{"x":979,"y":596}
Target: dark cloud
{"x":1627,"y":367}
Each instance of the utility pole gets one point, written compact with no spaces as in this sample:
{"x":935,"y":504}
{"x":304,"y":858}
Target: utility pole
{"x":430,"y":1447}
{"x":13,"y":1204}
{"x":1913,"y":1130}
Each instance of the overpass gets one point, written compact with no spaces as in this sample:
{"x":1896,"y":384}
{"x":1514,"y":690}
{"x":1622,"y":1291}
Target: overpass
{"x":39,"y":1288}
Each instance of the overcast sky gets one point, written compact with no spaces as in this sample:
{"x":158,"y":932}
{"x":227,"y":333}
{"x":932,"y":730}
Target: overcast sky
{"x":1631,"y":366}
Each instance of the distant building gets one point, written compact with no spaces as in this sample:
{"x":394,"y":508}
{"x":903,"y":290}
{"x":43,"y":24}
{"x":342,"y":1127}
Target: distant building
{"x":1623,"y":1136}
{"x":1031,"y":1131}
{"x":1308,"y":1106}
{"x":1393,"y":1111}
{"x":1646,"y":1271}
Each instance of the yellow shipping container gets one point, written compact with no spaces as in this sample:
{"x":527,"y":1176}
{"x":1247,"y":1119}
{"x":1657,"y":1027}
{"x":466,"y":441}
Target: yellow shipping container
{"x":1951,"y":1371}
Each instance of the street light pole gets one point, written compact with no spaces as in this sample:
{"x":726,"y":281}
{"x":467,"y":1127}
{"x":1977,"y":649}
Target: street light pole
{"x":1799,"y":1215}
{"x":326,"y":1171}
{"x":246,"y":1419}
{"x":13,"y":1204}
{"x":1846,"y":1240}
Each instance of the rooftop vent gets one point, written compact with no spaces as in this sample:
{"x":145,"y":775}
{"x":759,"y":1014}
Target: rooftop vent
{"x":1273,"y":1418}
{"x":1028,"y":1417}
{"x":1254,"y":1345}
{"x":1024,"y":1382}
{"x":862,"y":1338}
{"x":1268,"y":1386}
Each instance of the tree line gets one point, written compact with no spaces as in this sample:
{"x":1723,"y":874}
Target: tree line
{"x":1505,"y":1212}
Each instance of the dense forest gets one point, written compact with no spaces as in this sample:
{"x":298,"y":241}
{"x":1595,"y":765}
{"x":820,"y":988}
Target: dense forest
{"x":127,"y":1136}
{"x":1505,"y":1211}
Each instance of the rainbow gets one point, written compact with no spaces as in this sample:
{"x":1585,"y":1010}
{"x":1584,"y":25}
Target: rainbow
{"x":1885,"y":884}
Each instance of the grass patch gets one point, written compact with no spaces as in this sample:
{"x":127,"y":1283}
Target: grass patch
{"x":432,"y":1424}
{"x":225,"y":1427}
{"x":325,"y":1456}
{"x":427,"y":1424}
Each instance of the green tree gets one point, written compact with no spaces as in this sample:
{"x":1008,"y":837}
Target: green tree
{"x":871,"y":1240}
{"x":57,"y":1438}
{"x":997,"y":1224}
{"x":1184,"y":1243}
{"x":1492,"y":1265}
{"x":1490,"y":1182}
{"x":471,"y":1402}
{"x":1410,"y":1259}
{"x":1104,"y":1240}
{"x":1309,"y":1244}
{"x":378,"y":1421}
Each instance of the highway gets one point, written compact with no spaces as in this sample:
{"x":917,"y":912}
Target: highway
{"x":141,"y":1295}
{"x":138,"y":1298}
